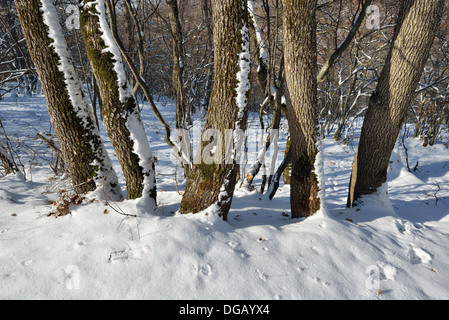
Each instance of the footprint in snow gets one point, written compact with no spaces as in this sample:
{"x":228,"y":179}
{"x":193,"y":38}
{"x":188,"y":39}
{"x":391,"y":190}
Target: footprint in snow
{"x":262,"y":275}
{"x":322,"y":282}
{"x":235,"y":247}
{"x":27,"y":262}
{"x":386,"y":271}
{"x":418,"y":255}
{"x":206,"y":270}
{"x":232,"y":244}
{"x":404,"y":227}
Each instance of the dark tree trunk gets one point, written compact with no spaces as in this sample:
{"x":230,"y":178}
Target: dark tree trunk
{"x":7,"y":163}
{"x":300,"y":68}
{"x":78,"y":138}
{"x":207,"y":19}
{"x":182,"y":114}
{"x":207,"y":181}
{"x":119,"y":104}
{"x":414,"y":34}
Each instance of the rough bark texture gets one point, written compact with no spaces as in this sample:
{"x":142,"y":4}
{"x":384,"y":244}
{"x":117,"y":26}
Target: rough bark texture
{"x":114,"y":112}
{"x":8,"y":165}
{"x":300,"y":68}
{"x":206,"y":180}
{"x":207,"y":20}
{"x":414,"y":34}
{"x":288,"y":170}
{"x":75,"y":141}
{"x":178,"y":65}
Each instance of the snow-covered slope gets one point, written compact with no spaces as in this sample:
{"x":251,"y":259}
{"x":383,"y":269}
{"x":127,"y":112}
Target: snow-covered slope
{"x":393,"y":247}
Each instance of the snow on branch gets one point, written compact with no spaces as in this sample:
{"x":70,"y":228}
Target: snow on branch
{"x":263,"y":54}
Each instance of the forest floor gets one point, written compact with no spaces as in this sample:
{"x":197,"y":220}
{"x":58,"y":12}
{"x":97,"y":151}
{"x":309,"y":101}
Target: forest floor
{"x":392,"y":247}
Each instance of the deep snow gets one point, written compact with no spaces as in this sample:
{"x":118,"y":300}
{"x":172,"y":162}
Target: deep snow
{"x":394,"y":248}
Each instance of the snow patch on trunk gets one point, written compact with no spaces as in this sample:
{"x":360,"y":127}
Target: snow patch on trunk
{"x":106,"y":178}
{"x":55,"y":32}
{"x":243,"y":87}
{"x":319,"y":171}
{"x":263,"y":54}
{"x":141,"y":147}
{"x":134,"y":124}
{"x":123,"y":85}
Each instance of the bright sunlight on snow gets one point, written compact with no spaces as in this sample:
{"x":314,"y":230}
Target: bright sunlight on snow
{"x":393,"y":247}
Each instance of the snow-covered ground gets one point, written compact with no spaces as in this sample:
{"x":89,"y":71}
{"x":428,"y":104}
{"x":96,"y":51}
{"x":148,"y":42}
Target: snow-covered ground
{"x":386,"y":249}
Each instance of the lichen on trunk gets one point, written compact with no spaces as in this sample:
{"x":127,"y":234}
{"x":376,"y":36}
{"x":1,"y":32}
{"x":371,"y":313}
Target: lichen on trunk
{"x":121,"y":115}
{"x":80,"y":144}
{"x":213,"y":184}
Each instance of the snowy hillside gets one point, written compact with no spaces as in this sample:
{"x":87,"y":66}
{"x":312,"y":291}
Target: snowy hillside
{"x":386,"y":249}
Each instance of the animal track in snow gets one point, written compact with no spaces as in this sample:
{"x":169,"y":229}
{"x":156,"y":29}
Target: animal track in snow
{"x":320,"y":281}
{"x":261,"y":275}
{"x":415,"y":254}
{"x":404,"y":227}
{"x":418,"y":255}
{"x":386,"y":271}
{"x":232,"y":244}
{"x":27,"y":262}
{"x":206,"y":270}
{"x":235,"y":247}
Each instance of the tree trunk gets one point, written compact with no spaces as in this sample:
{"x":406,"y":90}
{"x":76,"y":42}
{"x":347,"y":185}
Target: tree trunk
{"x":96,"y":100}
{"x":207,"y":20}
{"x":214,"y":183}
{"x":300,"y":68}
{"x":178,"y":65}
{"x":415,"y":30}
{"x":267,"y":81}
{"x":81,"y":145}
{"x":120,"y":112}
{"x":7,"y":163}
